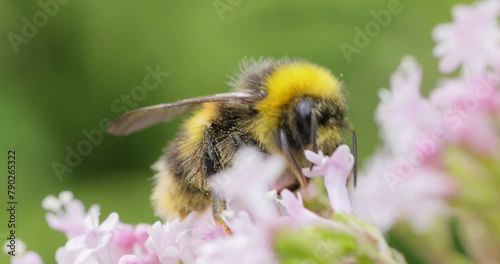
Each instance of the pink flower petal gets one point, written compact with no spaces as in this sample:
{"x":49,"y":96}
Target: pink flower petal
{"x":29,"y":257}
{"x":336,"y":170}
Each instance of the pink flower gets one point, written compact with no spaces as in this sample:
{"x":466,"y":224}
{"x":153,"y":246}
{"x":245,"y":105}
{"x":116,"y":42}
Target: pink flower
{"x":250,"y":243}
{"x":404,"y":116}
{"x":472,"y":39}
{"x":67,"y":215}
{"x":206,"y":229}
{"x":21,"y":255}
{"x":253,"y":224}
{"x":246,"y":183}
{"x":130,"y":259}
{"x":29,"y":257}
{"x":407,"y":170}
{"x":295,"y":210}
{"x":163,"y":240}
{"x":178,"y":240}
{"x":250,"y":217}
{"x":133,"y":259}
{"x":90,"y":241}
{"x":336,"y":170}
{"x":131,"y":239}
{"x":255,"y":216}
{"x":466,"y":106}
{"x":93,"y":245}
{"x":389,"y":191}
{"x":251,"y":214}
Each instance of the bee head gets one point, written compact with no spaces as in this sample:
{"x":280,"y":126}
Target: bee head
{"x":301,"y":101}
{"x":315,"y":121}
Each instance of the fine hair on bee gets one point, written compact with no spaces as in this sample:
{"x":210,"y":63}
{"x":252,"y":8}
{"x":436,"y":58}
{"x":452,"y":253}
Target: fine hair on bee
{"x":280,"y":106}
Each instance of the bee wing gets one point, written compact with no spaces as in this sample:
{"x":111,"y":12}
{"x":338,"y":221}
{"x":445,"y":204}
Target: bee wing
{"x":141,"y":118}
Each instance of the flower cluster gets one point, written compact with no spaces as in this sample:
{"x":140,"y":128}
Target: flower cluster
{"x":264,"y":227}
{"x":440,"y":155}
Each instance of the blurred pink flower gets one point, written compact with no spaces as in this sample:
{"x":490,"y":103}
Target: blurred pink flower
{"x":170,"y":242}
{"x":255,"y":215}
{"x":407,"y":170}
{"x":416,"y":131}
{"x":404,"y":115}
{"x":206,"y":229}
{"x":250,"y":243}
{"x":336,"y":170}
{"x":130,"y":259}
{"x":177,"y":240}
{"x":466,"y":105}
{"x":251,"y":214}
{"x":29,"y":257}
{"x":297,"y":214}
{"x":131,"y":238}
{"x":472,"y":39}
{"x":93,"y":245}
{"x":21,"y":255}
{"x":386,"y":195}
{"x":245,"y":184}
{"x":66,"y":214}
{"x":252,"y":224}
{"x":133,"y":259}
{"x":90,"y":241}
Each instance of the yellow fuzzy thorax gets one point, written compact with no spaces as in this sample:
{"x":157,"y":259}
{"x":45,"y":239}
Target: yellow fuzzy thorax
{"x":286,"y":83}
{"x":196,"y":124}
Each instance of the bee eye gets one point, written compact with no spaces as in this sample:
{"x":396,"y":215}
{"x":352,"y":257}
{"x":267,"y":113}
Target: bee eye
{"x":303,"y":114}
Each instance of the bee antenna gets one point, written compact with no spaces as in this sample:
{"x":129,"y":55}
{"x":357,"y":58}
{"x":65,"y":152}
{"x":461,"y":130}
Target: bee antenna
{"x":314,"y":127}
{"x":355,"y":154}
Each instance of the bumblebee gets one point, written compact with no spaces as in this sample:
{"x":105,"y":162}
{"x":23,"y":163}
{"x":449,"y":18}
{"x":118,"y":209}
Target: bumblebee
{"x":282,"y":106}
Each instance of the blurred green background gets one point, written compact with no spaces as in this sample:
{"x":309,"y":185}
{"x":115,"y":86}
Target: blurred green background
{"x":65,"y":78}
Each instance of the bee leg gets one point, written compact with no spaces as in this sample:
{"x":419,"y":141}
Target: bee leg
{"x":212,"y":166}
{"x":219,"y":205}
